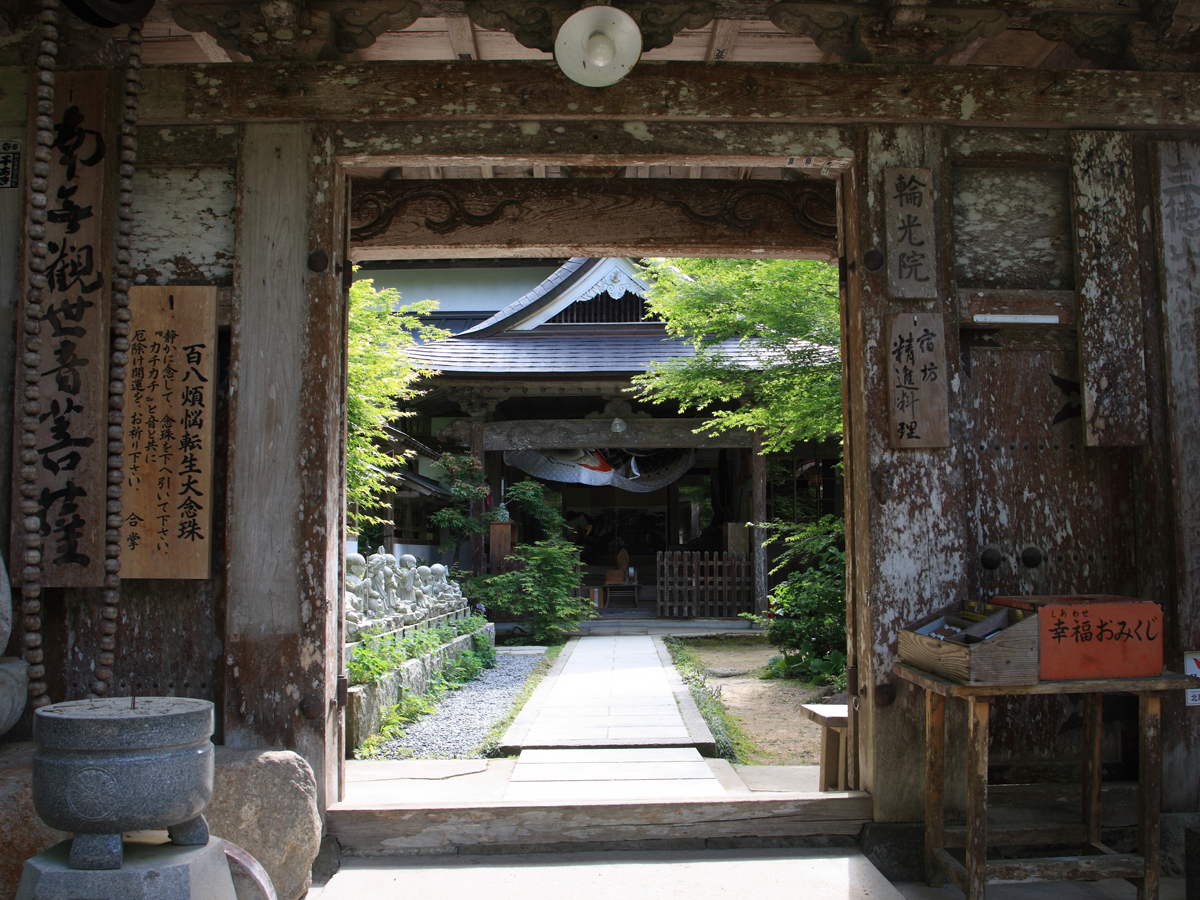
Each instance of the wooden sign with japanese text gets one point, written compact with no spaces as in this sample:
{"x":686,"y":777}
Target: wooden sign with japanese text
{"x":918,"y":410}
{"x":1107,"y":639}
{"x":911,"y":236}
{"x":168,"y":432}
{"x":70,"y":447}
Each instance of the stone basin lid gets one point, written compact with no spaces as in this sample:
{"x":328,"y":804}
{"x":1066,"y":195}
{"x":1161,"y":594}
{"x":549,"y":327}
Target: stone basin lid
{"x":108,"y":723}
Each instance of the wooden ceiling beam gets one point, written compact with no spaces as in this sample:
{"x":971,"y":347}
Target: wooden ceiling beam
{"x":527,"y":91}
{"x":567,"y":217}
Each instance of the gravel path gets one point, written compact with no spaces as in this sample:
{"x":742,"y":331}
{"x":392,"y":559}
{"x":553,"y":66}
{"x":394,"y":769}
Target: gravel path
{"x":464,"y":717}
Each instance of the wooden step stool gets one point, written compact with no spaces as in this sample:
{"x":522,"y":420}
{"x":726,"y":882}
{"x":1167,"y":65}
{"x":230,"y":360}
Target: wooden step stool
{"x":833,"y":719}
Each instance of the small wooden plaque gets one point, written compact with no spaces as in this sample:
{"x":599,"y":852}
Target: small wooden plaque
{"x":911,"y":233}
{"x":170,"y":403}
{"x":918,"y":408}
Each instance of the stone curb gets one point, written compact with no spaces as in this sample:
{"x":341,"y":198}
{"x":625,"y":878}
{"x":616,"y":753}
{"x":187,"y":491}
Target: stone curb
{"x":697,"y":728}
{"x":518,"y":731}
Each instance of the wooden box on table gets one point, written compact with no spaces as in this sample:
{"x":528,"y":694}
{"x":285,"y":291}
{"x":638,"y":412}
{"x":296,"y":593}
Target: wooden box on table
{"x":1094,"y":635}
{"x":991,"y":645}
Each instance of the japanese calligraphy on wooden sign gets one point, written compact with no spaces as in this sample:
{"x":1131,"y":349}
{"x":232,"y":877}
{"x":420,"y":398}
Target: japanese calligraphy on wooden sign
{"x":911,"y":238}
{"x":1100,"y":640}
{"x":10,"y":164}
{"x":70,"y":444}
{"x":918,"y":411}
{"x":168,"y":432}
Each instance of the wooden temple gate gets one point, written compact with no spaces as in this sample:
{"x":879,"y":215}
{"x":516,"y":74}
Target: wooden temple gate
{"x":1057,"y":274}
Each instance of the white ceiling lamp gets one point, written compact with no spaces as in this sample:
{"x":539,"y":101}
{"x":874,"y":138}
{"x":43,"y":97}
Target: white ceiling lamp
{"x":598,"y":46}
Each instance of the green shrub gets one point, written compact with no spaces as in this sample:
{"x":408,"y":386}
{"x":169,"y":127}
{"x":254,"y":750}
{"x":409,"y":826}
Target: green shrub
{"x":377,"y":655}
{"x":541,"y":589}
{"x":809,"y":623}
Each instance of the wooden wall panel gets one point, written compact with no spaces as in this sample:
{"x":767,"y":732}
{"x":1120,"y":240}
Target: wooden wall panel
{"x":1034,"y":484}
{"x":1112,"y":364}
{"x":1012,"y":229}
{"x":184,"y":225}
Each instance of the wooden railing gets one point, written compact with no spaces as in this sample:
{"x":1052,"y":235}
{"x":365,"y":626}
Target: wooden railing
{"x":703,"y":585}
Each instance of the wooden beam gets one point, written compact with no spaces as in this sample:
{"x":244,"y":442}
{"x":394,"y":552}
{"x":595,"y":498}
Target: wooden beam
{"x":758,"y":476}
{"x":550,"y":434}
{"x":573,"y":217}
{"x":526,"y":91}
{"x":724,"y":36}
{"x":462,"y":37}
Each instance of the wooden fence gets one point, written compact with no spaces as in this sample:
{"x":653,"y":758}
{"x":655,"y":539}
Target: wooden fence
{"x":703,"y":585}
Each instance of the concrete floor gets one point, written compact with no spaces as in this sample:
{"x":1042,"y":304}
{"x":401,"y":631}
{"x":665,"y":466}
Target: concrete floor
{"x":709,"y":875}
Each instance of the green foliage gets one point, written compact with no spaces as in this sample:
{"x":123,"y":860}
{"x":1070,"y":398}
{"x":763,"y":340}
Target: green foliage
{"x":810,"y":605}
{"x":377,"y":655}
{"x":379,"y":375}
{"x":732,"y":741}
{"x":787,"y":309}
{"x":547,"y":573}
{"x":540,"y":588}
{"x":464,"y":475}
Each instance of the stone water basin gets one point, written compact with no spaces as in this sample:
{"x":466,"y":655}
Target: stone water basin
{"x":104,"y":766}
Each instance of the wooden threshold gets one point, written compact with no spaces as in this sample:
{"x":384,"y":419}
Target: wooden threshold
{"x":1053,"y":868}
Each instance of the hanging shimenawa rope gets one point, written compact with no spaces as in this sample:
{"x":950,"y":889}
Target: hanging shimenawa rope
{"x":31,"y":588}
{"x":117,"y":373}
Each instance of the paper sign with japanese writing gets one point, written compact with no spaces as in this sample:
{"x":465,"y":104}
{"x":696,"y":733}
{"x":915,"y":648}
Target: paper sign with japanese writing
{"x":918,"y":411}
{"x":70,"y":447}
{"x":1121,"y":639}
{"x":911,"y":238}
{"x":169,"y":404}
{"x":1191,"y":666}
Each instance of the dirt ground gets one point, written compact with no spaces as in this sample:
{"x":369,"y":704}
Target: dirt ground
{"x":768,"y":709}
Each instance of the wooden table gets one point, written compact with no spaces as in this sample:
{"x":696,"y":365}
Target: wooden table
{"x":833,"y":719}
{"x":1096,"y":860}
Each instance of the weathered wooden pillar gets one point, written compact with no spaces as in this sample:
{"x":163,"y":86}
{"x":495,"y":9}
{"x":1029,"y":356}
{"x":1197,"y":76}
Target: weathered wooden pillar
{"x":1176,"y":189}
{"x":758,"y":550}
{"x":282,"y":649}
{"x":906,"y":504}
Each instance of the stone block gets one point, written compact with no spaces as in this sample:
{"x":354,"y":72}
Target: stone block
{"x":150,"y":872}
{"x":22,"y":833}
{"x":265,"y":801}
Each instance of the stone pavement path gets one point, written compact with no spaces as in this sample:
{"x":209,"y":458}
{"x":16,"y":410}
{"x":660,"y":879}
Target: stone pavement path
{"x":612,"y":692}
{"x":608,"y":726}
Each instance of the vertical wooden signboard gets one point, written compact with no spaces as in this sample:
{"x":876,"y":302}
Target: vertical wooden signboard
{"x":918,"y":411}
{"x":168,"y":432}
{"x":69,"y":447}
{"x":911,"y":235}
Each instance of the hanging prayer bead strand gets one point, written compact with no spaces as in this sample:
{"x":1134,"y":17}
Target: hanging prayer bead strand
{"x":31,"y":410}
{"x":118,"y":372}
